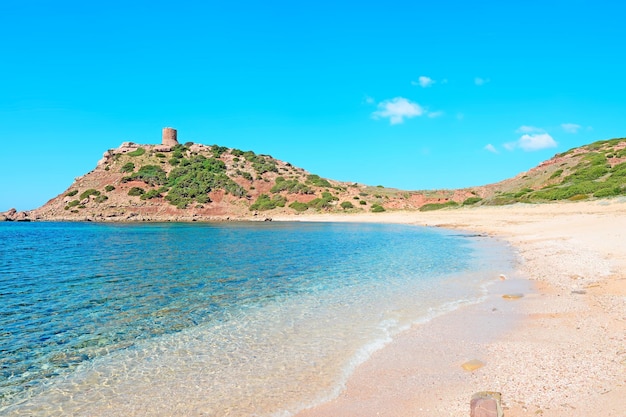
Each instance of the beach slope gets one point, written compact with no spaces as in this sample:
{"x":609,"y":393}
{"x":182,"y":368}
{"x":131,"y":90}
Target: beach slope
{"x":564,"y":354}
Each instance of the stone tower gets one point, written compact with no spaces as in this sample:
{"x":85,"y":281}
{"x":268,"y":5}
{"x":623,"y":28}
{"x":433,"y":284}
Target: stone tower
{"x":169,"y":136}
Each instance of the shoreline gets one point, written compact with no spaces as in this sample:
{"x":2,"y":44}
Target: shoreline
{"x":566,"y":357}
{"x":557,"y":351}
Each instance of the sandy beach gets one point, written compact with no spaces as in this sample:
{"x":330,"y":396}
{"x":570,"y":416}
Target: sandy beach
{"x":560,"y":350}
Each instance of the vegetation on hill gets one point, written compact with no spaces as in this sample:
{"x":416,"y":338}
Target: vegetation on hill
{"x":192,"y":176}
{"x":187,"y":176}
{"x":597,"y":170}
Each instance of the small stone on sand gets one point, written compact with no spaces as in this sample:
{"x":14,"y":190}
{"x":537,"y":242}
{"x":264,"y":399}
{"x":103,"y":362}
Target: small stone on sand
{"x":512,"y":296}
{"x":472,"y":365}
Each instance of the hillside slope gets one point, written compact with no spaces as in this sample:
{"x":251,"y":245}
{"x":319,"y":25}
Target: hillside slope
{"x":597,"y":170}
{"x":199,"y":182}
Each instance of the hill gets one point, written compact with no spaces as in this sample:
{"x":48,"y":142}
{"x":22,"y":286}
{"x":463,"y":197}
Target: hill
{"x":597,"y":170}
{"x":187,"y":182}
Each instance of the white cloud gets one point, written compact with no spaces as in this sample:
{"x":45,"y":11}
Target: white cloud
{"x":535,"y":142}
{"x":397,"y":109}
{"x":481,"y":81}
{"x":509,"y":146}
{"x":571,"y":127}
{"x":529,"y":129}
{"x":489,"y":147}
{"x":423,"y":81}
{"x":368,"y":100}
{"x":533,"y":139}
{"x":433,"y":114}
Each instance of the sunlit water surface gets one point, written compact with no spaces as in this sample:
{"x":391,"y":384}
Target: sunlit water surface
{"x":228,"y":319}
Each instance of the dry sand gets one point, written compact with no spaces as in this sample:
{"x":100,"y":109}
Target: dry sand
{"x":563,"y":355}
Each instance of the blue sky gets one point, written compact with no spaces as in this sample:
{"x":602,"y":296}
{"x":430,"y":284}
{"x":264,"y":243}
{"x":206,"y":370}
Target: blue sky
{"x":412,"y":95}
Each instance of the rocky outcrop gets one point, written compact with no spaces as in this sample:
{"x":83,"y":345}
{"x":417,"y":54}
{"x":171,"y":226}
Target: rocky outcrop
{"x":13,"y":215}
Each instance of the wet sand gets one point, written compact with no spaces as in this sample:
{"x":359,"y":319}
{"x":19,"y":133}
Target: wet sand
{"x":558,"y":351}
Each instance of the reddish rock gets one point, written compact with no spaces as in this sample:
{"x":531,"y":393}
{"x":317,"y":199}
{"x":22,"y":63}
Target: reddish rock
{"x":486,"y":404}
{"x":8,"y":215}
{"x":163,"y":148}
{"x":21,"y":216}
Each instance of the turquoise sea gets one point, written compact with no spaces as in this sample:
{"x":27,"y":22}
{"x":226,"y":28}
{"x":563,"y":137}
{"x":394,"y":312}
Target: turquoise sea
{"x":215,"y":319}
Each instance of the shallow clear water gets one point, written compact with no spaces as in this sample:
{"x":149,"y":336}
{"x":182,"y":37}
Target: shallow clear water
{"x":214,"y":319}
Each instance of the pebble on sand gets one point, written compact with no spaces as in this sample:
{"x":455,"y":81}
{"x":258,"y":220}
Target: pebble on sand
{"x":512,"y":296}
{"x":472,"y":365}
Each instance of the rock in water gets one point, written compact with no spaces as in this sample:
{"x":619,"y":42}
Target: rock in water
{"x":486,"y":404}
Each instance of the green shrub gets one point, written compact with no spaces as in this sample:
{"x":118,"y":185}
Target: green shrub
{"x":128,"y":167}
{"x":328,"y":196}
{"x":291,"y":186}
{"x":578,"y":197}
{"x":263,"y":165}
{"x":174,"y":161}
{"x":298,"y":206}
{"x":137,"y":152}
{"x":588,"y":174}
{"x":150,"y":174}
{"x":264,"y":202}
{"x":438,"y":206}
{"x":150,"y":194}
{"x":109,"y":188}
{"x":363,"y":202}
{"x":245,"y":175}
{"x":217,"y":151}
{"x":72,"y":193}
{"x":87,"y":193}
{"x":471,"y":200}
{"x":101,"y":199}
{"x":556,"y":174}
{"x":159,"y":155}
{"x":136,"y":191}
{"x":346,"y":205}
{"x":522,"y":192}
{"x":194,"y":179}
{"x":377,"y":208}
{"x":608,"y":192}
{"x":72,"y":203}
{"x":317,"y":181}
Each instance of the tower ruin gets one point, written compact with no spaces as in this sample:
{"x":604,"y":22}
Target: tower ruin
{"x":169,"y":137}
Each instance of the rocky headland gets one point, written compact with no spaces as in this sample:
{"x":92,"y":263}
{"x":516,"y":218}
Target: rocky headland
{"x":195,"y":182}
